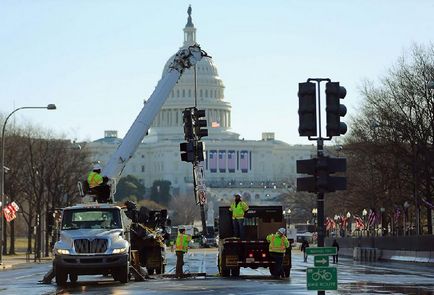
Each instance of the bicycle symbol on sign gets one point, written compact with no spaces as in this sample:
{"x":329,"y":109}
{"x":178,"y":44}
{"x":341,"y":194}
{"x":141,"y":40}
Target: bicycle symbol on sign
{"x":322,"y":274}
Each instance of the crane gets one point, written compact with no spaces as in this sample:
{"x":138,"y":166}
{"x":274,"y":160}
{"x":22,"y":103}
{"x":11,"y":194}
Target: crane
{"x":184,"y":59}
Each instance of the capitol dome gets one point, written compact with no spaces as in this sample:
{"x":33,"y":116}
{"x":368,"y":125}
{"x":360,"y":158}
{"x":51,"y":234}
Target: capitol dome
{"x":210,"y":96}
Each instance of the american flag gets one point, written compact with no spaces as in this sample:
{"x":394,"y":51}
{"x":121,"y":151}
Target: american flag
{"x":359,"y":222}
{"x":232,"y":161}
{"x":222,"y":161}
{"x":215,"y":124}
{"x":330,"y":224}
{"x":372,"y":218}
{"x":343,"y":221}
{"x":244,"y":161}
{"x":213,"y":161}
{"x":9,"y":211}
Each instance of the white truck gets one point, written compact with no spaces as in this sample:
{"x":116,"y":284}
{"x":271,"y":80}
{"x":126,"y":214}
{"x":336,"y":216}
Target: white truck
{"x":94,"y":238}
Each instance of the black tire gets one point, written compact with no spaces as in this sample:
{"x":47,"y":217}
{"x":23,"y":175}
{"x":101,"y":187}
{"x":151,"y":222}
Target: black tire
{"x":73,"y":278}
{"x":151,"y":271}
{"x":223,"y":271}
{"x":61,"y":277}
{"x":122,"y":274}
{"x":235,"y":272}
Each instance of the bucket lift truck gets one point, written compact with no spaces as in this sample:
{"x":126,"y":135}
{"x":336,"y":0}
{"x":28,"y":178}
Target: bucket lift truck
{"x":94,"y":238}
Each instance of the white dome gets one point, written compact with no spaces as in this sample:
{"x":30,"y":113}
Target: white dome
{"x":210,"y":96}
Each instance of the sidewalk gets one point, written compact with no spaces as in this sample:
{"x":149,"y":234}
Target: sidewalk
{"x":11,"y":261}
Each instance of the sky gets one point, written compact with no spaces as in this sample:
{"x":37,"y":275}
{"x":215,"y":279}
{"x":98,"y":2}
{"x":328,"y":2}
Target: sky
{"x":97,"y":60}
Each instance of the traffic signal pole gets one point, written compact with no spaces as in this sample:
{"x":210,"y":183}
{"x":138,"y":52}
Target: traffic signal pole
{"x":320,"y":194}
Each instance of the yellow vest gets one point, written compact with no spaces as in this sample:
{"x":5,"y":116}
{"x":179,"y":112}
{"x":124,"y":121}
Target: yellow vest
{"x":278,"y":244}
{"x":182,"y":242}
{"x":94,"y":179}
{"x":238,"y":210}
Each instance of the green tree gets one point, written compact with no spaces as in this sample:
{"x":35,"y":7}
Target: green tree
{"x":129,"y":187}
{"x":160,"y":192}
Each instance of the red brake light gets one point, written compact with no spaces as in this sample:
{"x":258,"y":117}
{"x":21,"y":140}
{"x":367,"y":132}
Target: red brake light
{"x":250,"y":254}
{"x":264,"y":255}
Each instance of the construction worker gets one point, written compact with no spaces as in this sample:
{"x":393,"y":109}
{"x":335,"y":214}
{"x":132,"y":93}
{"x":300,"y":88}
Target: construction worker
{"x":181,"y":247}
{"x":97,"y":184}
{"x":238,"y":209}
{"x":277,"y":248}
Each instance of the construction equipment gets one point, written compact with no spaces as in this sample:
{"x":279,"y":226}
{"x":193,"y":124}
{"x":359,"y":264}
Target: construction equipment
{"x":86,"y":246}
{"x":259,"y":221}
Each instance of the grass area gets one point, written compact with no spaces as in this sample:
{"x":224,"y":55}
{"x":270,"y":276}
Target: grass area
{"x":20,"y":244}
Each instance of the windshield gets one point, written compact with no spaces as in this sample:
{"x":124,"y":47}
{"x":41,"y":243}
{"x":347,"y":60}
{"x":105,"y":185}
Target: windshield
{"x":91,"y":219}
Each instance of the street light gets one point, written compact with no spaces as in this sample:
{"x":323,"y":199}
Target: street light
{"x":314,"y":213}
{"x":349,"y":222}
{"x":2,"y":172}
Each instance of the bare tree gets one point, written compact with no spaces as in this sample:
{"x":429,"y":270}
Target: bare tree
{"x":390,"y":147}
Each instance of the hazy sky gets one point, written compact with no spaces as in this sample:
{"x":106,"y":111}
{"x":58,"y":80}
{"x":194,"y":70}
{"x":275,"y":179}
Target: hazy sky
{"x":98,"y":59}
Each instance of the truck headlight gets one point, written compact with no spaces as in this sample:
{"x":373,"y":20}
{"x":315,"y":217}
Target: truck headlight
{"x":119,"y":250}
{"x":62,"y":251}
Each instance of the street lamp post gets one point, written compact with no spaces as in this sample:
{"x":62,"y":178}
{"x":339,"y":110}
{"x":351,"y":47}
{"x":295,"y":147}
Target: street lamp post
{"x":314,"y":214}
{"x":348,"y":223}
{"x":2,"y":173}
{"x":364,"y":213}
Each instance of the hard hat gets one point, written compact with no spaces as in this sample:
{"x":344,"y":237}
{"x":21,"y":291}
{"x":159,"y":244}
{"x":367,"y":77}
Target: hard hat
{"x":97,"y":167}
{"x":181,"y":228}
{"x":282,"y":230}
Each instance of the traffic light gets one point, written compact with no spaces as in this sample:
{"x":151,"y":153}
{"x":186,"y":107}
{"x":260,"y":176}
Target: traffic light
{"x":321,"y":180}
{"x":335,"y":110}
{"x":306,"y":184}
{"x":187,"y":151}
{"x":188,"y":124}
{"x":307,"y":109}
{"x":199,"y":123}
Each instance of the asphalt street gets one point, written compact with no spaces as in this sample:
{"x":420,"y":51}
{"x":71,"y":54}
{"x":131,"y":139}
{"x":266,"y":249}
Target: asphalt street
{"x":353,"y":278}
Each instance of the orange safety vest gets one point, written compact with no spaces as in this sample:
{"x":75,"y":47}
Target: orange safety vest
{"x":94,"y":179}
{"x":277,"y":245}
{"x":182,"y":242}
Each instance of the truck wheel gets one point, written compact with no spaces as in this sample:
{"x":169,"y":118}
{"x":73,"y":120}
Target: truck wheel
{"x":61,"y":277}
{"x":122,"y":274}
{"x":235,"y":272}
{"x":73,"y":278}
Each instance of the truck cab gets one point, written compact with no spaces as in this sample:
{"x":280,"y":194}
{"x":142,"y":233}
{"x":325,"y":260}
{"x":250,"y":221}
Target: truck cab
{"x":252,"y":252}
{"x":93,"y":239}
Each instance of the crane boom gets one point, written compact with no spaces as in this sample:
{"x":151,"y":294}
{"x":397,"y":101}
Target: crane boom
{"x":184,"y":59}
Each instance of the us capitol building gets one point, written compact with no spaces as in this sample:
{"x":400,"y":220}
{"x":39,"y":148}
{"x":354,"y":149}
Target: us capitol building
{"x":258,"y":169}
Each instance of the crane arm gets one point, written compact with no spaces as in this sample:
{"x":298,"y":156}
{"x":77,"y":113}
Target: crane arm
{"x":184,"y":59}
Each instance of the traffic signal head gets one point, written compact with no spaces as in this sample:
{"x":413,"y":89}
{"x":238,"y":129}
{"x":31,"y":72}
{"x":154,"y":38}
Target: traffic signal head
{"x":199,"y":123}
{"x":187,"y":151}
{"x":320,"y":170}
{"x":307,"y":109}
{"x":188,"y":124}
{"x":335,"y":110}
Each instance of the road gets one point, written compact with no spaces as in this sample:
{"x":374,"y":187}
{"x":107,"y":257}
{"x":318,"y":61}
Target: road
{"x":353,"y":278}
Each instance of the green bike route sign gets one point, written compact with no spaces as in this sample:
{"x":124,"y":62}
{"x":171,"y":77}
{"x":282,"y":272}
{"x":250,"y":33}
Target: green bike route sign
{"x":321,"y":251}
{"x":322,"y":278}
